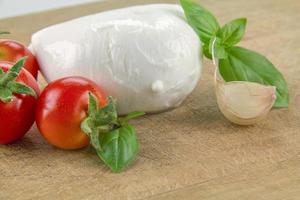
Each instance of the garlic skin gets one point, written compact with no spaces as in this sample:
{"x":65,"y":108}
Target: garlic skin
{"x":242,"y":102}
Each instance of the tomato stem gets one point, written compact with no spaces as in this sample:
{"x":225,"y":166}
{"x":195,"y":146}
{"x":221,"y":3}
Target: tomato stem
{"x":99,"y":120}
{"x":13,"y":72}
{"x":8,"y":85}
{"x":103,"y":127}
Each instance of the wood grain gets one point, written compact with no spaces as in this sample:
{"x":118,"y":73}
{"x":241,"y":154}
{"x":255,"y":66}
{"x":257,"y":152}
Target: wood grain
{"x":191,"y":152}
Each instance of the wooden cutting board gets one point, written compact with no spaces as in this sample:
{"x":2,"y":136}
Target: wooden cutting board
{"x":191,"y":152}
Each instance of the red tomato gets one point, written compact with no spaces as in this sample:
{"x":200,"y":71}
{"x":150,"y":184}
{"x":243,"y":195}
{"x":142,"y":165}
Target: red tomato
{"x":17,"y":116}
{"x":62,"y":107}
{"x":12,"y":51}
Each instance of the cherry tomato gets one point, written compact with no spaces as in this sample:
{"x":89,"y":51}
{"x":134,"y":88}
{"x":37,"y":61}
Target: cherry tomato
{"x":17,"y":116}
{"x":62,"y":107}
{"x":12,"y":51}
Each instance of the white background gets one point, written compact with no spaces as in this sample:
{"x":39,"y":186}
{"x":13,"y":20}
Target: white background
{"x":9,"y":8}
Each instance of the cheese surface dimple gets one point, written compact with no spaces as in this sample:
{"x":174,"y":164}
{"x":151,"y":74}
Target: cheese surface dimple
{"x":157,"y":86}
{"x":147,"y":57}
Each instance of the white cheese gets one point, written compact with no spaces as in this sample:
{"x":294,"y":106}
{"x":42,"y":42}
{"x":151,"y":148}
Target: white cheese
{"x":147,"y":57}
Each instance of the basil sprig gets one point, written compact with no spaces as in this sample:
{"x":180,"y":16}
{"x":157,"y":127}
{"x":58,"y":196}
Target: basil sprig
{"x":113,"y":138}
{"x":232,"y":32}
{"x":205,"y":24}
{"x":119,"y":147}
{"x":235,"y":63}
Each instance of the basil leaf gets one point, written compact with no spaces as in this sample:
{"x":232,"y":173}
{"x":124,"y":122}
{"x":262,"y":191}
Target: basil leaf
{"x":246,"y":65}
{"x":119,"y":148}
{"x":217,"y":48}
{"x":233,"y":32}
{"x":203,"y":22}
{"x":206,"y":51}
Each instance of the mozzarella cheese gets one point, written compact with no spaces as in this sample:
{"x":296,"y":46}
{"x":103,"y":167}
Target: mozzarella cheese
{"x":147,"y":57}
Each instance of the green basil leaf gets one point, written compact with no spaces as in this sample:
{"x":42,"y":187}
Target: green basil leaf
{"x":206,"y":51}
{"x":246,"y":65}
{"x":204,"y":23}
{"x":220,"y":52}
{"x":233,"y":32}
{"x":119,"y":148}
{"x":217,"y":48}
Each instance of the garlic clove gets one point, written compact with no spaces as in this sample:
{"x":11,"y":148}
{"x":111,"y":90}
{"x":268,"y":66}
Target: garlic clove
{"x":243,"y":102}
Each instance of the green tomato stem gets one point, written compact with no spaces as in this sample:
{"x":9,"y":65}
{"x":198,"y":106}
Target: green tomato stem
{"x":8,"y":85}
{"x":103,"y":126}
